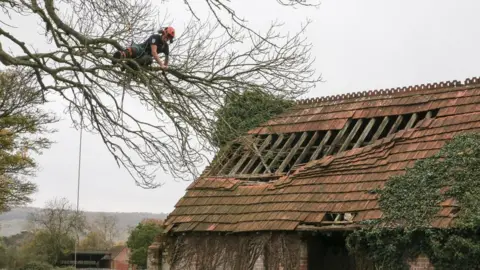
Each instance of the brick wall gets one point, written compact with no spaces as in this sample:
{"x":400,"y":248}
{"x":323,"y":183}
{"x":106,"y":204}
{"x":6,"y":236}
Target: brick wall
{"x":120,"y":262}
{"x":421,"y":263}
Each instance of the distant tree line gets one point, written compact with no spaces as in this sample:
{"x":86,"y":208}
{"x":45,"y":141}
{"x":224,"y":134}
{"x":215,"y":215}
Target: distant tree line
{"x":53,"y":232}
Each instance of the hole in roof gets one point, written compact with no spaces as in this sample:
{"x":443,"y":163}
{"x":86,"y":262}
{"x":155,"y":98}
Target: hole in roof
{"x":375,"y":127}
{"x":282,"y":154}
{"x":338,"y":217}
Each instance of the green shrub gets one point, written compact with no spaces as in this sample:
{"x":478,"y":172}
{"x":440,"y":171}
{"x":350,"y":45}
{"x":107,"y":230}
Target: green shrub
{"x":37,"y":266}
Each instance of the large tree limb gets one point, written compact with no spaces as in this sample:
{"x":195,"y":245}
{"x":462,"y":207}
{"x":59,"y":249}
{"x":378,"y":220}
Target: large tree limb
{"x":172,"y":130}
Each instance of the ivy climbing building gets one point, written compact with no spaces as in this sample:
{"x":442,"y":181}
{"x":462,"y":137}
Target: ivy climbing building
{"x":287,"y":194}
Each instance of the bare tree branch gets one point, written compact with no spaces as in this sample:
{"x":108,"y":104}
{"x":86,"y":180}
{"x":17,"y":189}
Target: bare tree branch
{"x":55,"y":227}
{"x":220,"y":8}
{"x":206,"y":64}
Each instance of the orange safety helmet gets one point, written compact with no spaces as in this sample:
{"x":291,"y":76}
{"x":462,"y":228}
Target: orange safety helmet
{"x":169,"y":32}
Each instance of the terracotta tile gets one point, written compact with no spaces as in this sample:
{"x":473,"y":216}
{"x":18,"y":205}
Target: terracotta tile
{"x":222,"y":227}
{"x":335,"y":183}
{"x":358,"y":205}
{"x":371,"y":205}
{"x":447,"y":111}
{"x":436,"y":222}
{"x":445,"y":211}
{"x":360,"y":216}
{"x":328,"y":207}
{"x":265,"y":207}
{"x":338,"y":207}
{"x":182,"y":227}
{"x":314,"y":217}
{"x":374,"y":214}
{"x":448,"y":202}
{"x":444,"y":222}
{"x":289,"y":225}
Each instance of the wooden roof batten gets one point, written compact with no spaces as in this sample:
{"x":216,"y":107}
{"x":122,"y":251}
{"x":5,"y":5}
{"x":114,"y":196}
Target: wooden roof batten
{"x":268,"y":157}
{"x":277,"y":154}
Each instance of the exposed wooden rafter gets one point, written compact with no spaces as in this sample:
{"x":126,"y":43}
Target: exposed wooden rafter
{"x":273,"y":155}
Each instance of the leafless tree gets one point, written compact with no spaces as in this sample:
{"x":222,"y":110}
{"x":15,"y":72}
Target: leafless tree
{"x":107,"y":226}
{"x":101,"y":233}
{"x":207,"y":62}
{"x":222,"y":8}
{"x":58,"y":217}
{"x":55,"y":227}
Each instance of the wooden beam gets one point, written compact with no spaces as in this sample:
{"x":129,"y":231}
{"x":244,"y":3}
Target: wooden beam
{"x":350,"y":136}
{"x":247,"y":153}
{"x":338,"y":137}
{"x":412,"y":120}
{"x":429,"y":115}
{"x":320,"y":146}
{"x":268,"y":154}
{"x":307,"y":148}
{"x":282,"y":151}
{"x":292,"y":152}
{"x":231,"y":160}
{"x":333,"y":227}
{"x":395,"y":125}
{"x":222,"y":156}
{"x":337,"y":221}
{"x":252,"y":161}
{"x":365,"y":132}
{"x":381,"y":128}
{"x":258,"y":176}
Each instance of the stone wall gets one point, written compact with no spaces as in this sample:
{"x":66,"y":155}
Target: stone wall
{"x":153,"y":257}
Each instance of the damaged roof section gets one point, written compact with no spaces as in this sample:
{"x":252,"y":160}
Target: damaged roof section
{"x":270,"y":156}
{"x":369,"y":137}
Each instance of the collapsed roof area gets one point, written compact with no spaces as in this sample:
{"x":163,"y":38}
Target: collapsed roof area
{"x":316,"y":165}
{"x":270,"y":156}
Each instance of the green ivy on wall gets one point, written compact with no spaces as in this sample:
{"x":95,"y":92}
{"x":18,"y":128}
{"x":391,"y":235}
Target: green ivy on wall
{"x":410,"y":203}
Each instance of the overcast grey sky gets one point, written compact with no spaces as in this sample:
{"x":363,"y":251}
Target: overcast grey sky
{"x":358,"y":45}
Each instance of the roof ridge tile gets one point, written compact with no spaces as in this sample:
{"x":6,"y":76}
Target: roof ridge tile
{"x":388,"y":91}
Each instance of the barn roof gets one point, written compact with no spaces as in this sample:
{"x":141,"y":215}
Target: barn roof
{"x":321,"y":160}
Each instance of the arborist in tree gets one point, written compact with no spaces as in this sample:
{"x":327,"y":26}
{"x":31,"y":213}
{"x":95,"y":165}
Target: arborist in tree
{"x":143,"y":53}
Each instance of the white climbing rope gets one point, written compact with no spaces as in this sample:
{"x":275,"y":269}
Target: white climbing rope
{"x":130,"y":30}
{"x":78,"y":178}
{"x":80,"y":158}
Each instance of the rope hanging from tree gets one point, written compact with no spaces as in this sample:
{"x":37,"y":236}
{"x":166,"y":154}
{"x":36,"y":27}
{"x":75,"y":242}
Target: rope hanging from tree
{"x":80,"y":154}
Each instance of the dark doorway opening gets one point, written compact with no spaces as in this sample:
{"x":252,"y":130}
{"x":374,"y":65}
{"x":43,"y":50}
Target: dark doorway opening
{"x":328,"y":251}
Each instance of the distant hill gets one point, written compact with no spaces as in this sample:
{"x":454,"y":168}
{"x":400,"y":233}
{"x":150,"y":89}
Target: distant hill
{"x":15,"y":221}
